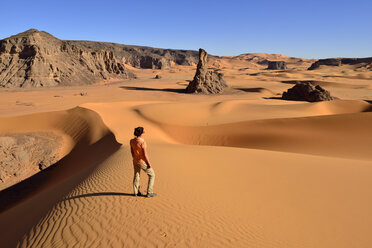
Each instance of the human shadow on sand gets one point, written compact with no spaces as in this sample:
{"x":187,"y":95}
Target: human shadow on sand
{"x":98,"y":194}
{"x":181,"y":91}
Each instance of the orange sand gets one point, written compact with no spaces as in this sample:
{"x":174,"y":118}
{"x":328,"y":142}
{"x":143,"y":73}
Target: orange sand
{"x":242,"y":169}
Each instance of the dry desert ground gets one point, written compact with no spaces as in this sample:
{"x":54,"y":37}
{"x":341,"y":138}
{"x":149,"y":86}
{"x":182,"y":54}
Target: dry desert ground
{"x":238,"y":169}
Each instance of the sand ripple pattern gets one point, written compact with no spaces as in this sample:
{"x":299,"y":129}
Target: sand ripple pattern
{"x":100,"y":212}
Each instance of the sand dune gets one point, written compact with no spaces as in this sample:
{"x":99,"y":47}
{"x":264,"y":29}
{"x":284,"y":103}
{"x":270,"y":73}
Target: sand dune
{"x":218,"y":196}
{"x":263,"y":205}
{"x":241,"y":169}
{"x":87,"y":143}
{"x":230,"y":111}
{"x":72,"y":125}
{"x":341,"y":135}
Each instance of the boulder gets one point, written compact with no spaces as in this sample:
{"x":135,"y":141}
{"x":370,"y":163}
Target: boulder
{"x":206,"y":81}
{"x":276,"y":65}
{"x":307,"y":92}
{"x":157,"y":76}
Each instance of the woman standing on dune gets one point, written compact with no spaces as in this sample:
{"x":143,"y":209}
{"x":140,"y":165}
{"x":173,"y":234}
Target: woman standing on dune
{"x":141,"y":161}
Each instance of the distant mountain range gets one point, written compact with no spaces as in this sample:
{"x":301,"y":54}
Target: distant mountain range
{"x":36,"y":58}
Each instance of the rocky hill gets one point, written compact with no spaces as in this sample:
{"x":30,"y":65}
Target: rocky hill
{"x":35,"y":58}
{"x":263,"y":59}
{"x":363,"y":62}
{"x":144,"y":57}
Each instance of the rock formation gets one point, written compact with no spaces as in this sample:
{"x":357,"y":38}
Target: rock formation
{"x":25,"y":154}
{"x":144,"y":57}
{"x":276,"y":65}
{"x":258,"y":60}
{"x":339,"y":62}
{"x":307,"y":92}
{"x":35,"y":58}
{"x":206,"y":82}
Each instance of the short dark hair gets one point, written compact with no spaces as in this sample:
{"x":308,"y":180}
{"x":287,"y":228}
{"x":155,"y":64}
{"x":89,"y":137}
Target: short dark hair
{"x":138,"y":131}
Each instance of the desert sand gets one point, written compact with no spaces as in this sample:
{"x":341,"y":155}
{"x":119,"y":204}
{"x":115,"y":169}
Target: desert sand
{"x":239,"y":169}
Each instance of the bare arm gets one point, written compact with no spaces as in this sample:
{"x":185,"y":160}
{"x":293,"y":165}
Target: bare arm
{"x":131,"y":149}
{"x":144,"y":148}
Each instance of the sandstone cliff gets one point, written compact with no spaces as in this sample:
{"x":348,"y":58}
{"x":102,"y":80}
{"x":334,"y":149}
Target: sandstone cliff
{"x":340,"y":61}
{"x":145,"y":57}
{"x":35,"y":58}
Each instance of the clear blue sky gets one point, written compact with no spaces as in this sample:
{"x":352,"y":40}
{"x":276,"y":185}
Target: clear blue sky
{"x":301,"y":28}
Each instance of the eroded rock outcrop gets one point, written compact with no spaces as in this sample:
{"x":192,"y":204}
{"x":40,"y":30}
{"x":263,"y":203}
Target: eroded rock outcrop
{"x":23,"y":155}
{"x":339,"y":62}
{"x":276,"y":65}
{"x":144,"y":57}
{"x":307,"y":92}
{"x":35,"y":58}
{"x":205,"y":81}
